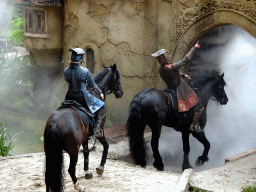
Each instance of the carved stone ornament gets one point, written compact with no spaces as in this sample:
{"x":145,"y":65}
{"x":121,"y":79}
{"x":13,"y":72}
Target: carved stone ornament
{"x":192,"y":14}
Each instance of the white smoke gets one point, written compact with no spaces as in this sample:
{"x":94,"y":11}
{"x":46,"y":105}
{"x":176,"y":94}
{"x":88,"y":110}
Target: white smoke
{"x":230,"y":128}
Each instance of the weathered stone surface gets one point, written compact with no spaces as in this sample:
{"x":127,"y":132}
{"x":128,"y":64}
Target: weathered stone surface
{"x":128,"y":32}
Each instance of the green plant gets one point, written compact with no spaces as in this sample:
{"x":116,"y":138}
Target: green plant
{"x":6,"y":142}
{"x":195,"y":189}
{"x":249,"y":189}
{"x":42,"y":139}
{"x":16,"y":33}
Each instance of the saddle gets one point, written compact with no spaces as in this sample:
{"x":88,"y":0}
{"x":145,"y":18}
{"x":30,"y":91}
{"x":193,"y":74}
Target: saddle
{"x":86,"y":116}
{"x":173,"y":97}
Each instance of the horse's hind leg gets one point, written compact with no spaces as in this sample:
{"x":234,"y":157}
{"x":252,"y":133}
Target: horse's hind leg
{"x":100,"y":168}
{"x":186,"y":150}
{"x":156,"y":131}
{"x":200,"y":136}
{"x":88,"y":175}
{"x":72,"y":171}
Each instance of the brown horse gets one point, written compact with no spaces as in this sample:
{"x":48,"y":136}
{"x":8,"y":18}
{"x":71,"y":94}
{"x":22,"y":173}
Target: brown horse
{"x":65,"y":131}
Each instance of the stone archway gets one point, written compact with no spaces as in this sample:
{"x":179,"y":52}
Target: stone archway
{"x":188,"y":35}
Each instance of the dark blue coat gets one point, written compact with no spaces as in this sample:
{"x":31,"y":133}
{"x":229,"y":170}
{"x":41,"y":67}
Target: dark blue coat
{"x":79,"y":78}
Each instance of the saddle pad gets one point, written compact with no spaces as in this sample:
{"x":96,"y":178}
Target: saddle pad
{"x":86,"y":116}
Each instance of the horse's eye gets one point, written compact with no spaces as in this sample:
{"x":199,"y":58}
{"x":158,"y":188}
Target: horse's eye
{"x":221,"y":86}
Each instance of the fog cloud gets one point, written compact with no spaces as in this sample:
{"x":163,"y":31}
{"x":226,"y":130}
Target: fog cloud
{"x":230,"y":128}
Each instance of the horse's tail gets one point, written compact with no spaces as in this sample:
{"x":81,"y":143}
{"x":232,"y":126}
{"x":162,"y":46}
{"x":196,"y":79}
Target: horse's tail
{"x":54,"y":160}
{"x":135,"y":129}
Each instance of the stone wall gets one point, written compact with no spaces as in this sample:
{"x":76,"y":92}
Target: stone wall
{"x":119,"y":32}
{"x":126,"y":32}
{"x":47,"y":48}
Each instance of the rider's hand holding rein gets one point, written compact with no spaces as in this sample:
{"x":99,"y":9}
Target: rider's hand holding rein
{"x":102,"y":96}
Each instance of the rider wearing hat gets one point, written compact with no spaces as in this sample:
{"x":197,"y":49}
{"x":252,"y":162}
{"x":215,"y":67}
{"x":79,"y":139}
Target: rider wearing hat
{"x":186,"y":96}
{"x":79,"y":78}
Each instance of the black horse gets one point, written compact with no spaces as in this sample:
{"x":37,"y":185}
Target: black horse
{"x":65,"y":131}
{"x":151,"y":107}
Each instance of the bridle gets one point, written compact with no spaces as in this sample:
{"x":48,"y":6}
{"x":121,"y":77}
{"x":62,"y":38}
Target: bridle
{"x":210,"y":92}
{"x":115,"y":91}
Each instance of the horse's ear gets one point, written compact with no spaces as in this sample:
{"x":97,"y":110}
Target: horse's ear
{"x":104,"y":66}
{"x":114,"y":67}
{"x":222,"y":75}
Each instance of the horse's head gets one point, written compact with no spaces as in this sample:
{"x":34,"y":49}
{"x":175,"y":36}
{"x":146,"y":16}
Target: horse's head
{"x":115,"y":85}
{"x":218,"y":90}
{"x":109,"y":80}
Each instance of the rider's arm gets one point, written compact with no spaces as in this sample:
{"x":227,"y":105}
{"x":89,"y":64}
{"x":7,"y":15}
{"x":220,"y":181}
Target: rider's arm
{"x":185,"y":60}
{"x":91,"y":83}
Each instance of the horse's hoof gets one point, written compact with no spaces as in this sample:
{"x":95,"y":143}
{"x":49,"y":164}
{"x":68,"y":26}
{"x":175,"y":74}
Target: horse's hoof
{"x":186,"y":167}
{"x":88,"y":176}
{"x":159,"y":167}
{"x":100,"y":170}
{"x":200,"y":161}
{"x":78,"y":187}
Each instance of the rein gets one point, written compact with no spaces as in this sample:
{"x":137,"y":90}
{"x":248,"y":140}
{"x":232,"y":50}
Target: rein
{"x":109,"y":91}
{"x":93,"y":143}
{"x":200,"y":86}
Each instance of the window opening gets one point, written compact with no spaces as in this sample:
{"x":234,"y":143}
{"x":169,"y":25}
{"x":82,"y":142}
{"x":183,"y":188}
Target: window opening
{"x":35,"y":21}
{"x":90,"y":60}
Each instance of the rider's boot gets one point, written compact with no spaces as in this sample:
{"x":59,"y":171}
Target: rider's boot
{"x":195,"y":122}
{"x":97,"y":131}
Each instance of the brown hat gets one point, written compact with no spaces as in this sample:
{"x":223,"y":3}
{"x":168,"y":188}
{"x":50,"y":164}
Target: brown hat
{"x":163,"y":52}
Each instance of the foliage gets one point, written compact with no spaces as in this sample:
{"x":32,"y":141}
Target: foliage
{"x":16,"y":33}
{"x":195,"y":189}
{"x":6,"y":142}
{"x":16,"y":87}
{"x":249,"y":189}
{"x":42,"y":139}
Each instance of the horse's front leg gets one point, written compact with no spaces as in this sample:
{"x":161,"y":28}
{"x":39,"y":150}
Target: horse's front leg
{"x":186,"y":150}
{"x":200,"y":136}
{"x":100,"y":168}
{"x":88,"y":174}
{"x":102,"y":140}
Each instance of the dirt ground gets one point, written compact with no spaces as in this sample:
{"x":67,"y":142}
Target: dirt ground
{"x":26,"y":173}
{"x":229,"y":178}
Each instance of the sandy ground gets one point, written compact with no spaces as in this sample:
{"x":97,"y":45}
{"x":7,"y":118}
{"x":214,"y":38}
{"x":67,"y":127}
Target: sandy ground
{"x":26,"y":173}
{"x":229,"y":178}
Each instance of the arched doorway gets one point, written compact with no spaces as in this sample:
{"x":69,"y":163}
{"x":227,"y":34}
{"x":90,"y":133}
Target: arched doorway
{"x":230,"y":128}
{"x":207,"y":22}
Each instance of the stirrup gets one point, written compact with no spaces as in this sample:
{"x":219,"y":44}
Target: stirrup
{"x":98,"y":133}
{"x":196,"y":128}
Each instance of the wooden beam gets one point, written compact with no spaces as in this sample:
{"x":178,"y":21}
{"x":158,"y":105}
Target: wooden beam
{"x":183,"y":185}
{"x":236,"y":157}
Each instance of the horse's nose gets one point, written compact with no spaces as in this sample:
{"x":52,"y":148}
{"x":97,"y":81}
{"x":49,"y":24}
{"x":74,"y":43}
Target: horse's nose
{"x":119,"y":94}
{"x":224,"y":101}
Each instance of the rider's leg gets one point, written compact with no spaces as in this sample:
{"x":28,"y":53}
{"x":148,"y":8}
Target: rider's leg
{"x":99,"y":122}
{"x":198,"y":110}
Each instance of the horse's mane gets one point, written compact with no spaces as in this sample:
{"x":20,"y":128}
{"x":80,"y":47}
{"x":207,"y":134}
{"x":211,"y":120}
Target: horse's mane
{"x":213,"y":78}
{"x":101,"y":75}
